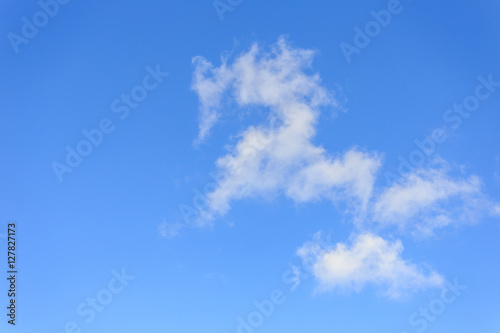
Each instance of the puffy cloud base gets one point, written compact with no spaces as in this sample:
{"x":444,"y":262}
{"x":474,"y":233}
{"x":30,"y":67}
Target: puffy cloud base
{"x":369,"y":260}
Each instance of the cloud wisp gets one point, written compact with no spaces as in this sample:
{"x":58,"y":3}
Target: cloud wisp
{"x":428,"y":199}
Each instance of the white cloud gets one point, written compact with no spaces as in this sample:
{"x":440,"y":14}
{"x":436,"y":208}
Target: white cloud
{"x":369,"y":260}
{"x":429,"y":198}
{"x":278,"y":157}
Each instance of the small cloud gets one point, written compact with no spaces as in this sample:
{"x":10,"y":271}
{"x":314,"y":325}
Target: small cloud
{"x":368,"y":260}
{"x":169,"y":230}
{"x":215,"y":277}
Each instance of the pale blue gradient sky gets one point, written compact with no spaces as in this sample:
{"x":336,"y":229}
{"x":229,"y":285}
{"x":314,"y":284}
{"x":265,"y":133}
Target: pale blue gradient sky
{"x":106,"y":214}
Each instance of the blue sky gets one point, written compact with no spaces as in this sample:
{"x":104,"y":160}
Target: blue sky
{"x":240,"y":154}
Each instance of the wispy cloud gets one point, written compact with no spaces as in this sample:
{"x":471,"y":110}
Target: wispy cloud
{"x":275,"y":79}
{"x":429,"y":198}
{"x":278,"y":159}
{"x":368,"y":260}
{"x":169,"y":230}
